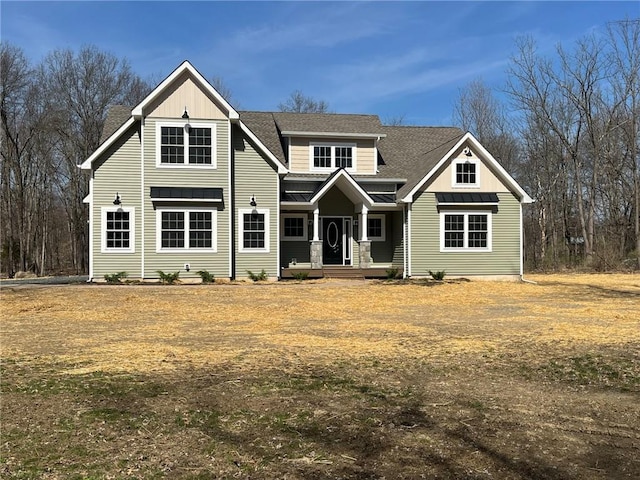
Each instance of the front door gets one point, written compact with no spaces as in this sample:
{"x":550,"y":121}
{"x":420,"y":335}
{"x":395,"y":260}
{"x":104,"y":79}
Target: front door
{"x":332,"y":241}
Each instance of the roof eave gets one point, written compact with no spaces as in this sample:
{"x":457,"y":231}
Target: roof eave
{"x":88,"y":163}
{"x":291,"y":133}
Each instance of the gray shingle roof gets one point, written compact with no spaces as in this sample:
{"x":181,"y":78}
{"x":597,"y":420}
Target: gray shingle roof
{"x":327,"y":122}
{"x":263,"y":125}
{"x":116,"y":117}
{"x":411,"y":152}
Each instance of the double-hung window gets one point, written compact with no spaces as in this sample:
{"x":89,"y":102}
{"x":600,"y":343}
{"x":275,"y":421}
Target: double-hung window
{"x":465,"y":231}
{"x":376,"y":227}
{"x":253,"y":230}
{"x":117,"y":230}
{"x":328,"y":157}
{"x":465,"y":174}
{"x":193,"y":230}
{"x":186,"y":145}
{"x":294,"y":227}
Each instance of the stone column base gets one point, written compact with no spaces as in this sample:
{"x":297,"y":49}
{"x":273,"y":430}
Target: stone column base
{"x":316,"y":254}
{"x":365,"y":253}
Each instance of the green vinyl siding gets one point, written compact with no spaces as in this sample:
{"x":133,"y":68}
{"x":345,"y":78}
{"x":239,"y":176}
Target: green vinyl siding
{"x":216,"y":263}
{"x":503,"y":259}
{"x":397,"y":227}
{"x":255,"y":177}
{"x":117,"y":171}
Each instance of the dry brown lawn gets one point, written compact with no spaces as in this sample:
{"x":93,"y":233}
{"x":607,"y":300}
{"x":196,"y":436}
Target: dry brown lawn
{"x":323,"y":379}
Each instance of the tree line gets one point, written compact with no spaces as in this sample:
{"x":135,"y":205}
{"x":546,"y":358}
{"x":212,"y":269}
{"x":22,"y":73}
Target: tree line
{"x":568,"y":129}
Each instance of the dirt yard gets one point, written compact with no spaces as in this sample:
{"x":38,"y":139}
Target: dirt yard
{"x":323,"y":379}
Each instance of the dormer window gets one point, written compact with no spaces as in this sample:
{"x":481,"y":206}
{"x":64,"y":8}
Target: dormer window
{"x":327,"y":157}
{"x":465,"y":173}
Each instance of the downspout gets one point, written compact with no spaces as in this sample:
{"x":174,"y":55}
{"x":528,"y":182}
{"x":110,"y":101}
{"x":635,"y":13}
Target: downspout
{"x":409,"y":205}
{"x":232,"y":203}
{"x":278,"y":271}
{"x":231,"y":194}
{"x":91,"y":225}
{"x":142,"y":203}
{"x":404,"y":240}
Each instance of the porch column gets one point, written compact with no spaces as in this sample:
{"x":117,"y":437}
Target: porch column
{"x":316,"y":222}
{"x":364,"y":224}
{"x":316,"y":244}
{"x":365,"y":244}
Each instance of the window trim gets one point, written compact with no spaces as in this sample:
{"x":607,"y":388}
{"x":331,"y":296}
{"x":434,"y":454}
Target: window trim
{"x":454,"y":170}
{"x":333,"y":145}
{"x":382,"y":237}
{"x":186,"y":248}
{"x":267,"y":230}
{"x":103,"y":228}
{"x":305,"y":226}
{"x":186,"y":164}
{"x":466,"y":248}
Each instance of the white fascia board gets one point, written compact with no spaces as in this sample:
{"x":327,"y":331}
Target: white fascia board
{"x":342,"y":174}
{"x":281,"y":168}
{"x":291,"y":133}
{"x":468,"y":137}
{"x":184,"y":66}
{"x":88,"y":163}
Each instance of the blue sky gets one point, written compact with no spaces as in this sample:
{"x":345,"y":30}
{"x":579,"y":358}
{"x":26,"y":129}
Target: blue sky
{"x":388,"y":58}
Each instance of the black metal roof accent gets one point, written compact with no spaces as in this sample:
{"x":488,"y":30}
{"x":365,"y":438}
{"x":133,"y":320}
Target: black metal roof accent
{"x":186,"y":193}
{"x":467,"y":197}
{"x":383,"y":197}
{"x":296,"y":197}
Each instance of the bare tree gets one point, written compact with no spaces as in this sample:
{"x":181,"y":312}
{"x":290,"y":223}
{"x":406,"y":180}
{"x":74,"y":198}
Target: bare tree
{"x":80,"y":88}
{"x":624,"y":42}
{"x":25,"y":167}
{"x":300,"y":103}
{"x":478,"y":111}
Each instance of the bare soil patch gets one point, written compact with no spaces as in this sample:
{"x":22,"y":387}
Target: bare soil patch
{"x":323,"y":379}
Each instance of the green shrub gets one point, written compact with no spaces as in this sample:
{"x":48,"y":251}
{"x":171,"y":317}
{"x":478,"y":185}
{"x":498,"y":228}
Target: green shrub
{"x":168,"y":278}
{"x":257,"y":277}
{"x":439,"y":275}
{"x":303,"y":275}
{"x":392,"y":273}
{"x":206,"y":276}
{"x":115,"y":277}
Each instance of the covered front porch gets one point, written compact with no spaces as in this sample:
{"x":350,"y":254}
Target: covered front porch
{"x":338,"y":229}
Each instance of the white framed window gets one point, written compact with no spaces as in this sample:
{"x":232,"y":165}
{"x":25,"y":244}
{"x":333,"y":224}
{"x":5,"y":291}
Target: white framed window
{"x":376,"y":227}
{"x":253,"y":230}
{"x":186,"y":230}
{"x":465,"y":173}
{"x":192,"y":145}
{"x":465,"y":231}
{"x":118,"y":230}
{"x":294,"y":227}
{"x":330,"y":156}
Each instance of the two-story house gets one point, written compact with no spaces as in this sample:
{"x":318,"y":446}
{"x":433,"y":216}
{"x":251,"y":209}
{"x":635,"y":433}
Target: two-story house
{"x":184,"y":182}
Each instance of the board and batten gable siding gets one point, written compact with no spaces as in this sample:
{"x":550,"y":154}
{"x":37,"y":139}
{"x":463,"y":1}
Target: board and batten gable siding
{"x":216,"y":263}
{"x":117,"y":171}
{"x":183,"y":92}
{"x":489,"y":182}
{"x":504,"y":259}
{"x":255,"y":177}
{"x":299,"y":154}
